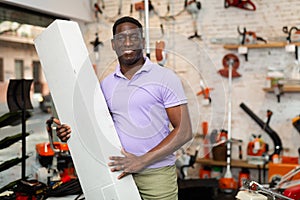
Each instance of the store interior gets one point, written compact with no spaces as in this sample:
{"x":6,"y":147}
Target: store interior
{"x":239,"y":65}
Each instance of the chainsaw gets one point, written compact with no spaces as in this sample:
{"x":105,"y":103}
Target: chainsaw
{"x":243,"y":4}
{"x":249,"y":37}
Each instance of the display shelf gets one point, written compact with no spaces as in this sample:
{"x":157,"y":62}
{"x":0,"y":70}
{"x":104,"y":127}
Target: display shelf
{"x":285,"y":88}
{"x":263,"y":45}
{"x":234,"y":163}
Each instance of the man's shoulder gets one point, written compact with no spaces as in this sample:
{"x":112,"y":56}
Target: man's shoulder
{"x":108,"y":77}
{"x":162,"y":70}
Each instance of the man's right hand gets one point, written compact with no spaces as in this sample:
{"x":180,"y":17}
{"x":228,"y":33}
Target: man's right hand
{"x":63,"y":131}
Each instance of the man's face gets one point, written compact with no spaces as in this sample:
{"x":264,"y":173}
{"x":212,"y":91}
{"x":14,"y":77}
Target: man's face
{"x":128,"y":44}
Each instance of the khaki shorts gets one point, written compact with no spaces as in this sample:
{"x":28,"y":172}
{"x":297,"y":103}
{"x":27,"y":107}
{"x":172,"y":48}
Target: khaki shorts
{"x":157,"y":184}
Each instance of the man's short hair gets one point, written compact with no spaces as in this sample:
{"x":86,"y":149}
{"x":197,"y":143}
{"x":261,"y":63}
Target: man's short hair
{"x":127,"y":19}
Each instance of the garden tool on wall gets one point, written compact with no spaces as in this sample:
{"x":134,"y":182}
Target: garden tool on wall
{"x":227,"y":183}
{"x":256,"y":150}
{"x":265,"y":126}
{"x":160,"y":52}
{"x":97,"y":10}
{"x":292,"y":38}
{"x":140,"y":7}
{"x":205,"y":91}
{"x":227,"y":61}
{"x":248,"y":37}
{"x":193,"y":7}
{"x":100,"y":9}
{"x":96,"y":43}
{"x":242,"y":4}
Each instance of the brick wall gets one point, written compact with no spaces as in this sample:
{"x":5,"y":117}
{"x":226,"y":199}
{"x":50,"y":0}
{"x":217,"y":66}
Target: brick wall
{"x":194,"y":60}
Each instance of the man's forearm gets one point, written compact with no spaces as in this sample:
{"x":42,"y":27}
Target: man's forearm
{"x":168,"y":146}
{"x":180,"y":135}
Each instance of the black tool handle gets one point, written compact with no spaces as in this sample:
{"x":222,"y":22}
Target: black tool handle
{"x":265,"y":126}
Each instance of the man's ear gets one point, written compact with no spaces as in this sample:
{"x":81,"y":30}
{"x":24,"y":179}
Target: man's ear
{"x":112,"y":44}
{"x":144,"y":43}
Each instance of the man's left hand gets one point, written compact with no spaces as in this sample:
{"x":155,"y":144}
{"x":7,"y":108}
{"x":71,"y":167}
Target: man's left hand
{"x":129,"y":163}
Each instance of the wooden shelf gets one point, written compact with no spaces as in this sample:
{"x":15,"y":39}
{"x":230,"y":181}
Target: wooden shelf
{"x":263,"y":45}
{"x":286,"y":88}
{"x":234,"y":163}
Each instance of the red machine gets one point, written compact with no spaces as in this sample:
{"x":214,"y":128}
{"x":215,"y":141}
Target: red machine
{"x":256,"y":150}
{"x":230,"y":60}
{"x":293,"y":192}
{"x":243,"y":4}
{"x":46,"y":156}
{"x":228,"y":184}
{"x":55,"y":161}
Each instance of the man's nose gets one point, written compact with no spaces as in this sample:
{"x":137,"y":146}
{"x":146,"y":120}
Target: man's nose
{"x":127,"y":41}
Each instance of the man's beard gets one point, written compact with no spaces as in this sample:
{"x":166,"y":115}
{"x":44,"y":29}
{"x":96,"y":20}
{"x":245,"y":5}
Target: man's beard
{"x":137,"y":55}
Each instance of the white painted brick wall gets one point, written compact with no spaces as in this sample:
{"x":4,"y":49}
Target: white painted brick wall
{"x":193,"y":59}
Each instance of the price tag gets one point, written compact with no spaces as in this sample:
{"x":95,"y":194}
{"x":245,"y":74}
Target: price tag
{"x":243,"y":50}
{"x":290,"y":48}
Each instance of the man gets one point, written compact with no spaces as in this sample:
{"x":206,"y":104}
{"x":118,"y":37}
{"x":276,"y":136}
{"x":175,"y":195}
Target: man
{"x":144,"y":99}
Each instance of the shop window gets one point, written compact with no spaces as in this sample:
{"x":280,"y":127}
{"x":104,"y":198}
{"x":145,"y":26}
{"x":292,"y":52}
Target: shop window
{"x":37,"y":76}
{"x":19,"y":69}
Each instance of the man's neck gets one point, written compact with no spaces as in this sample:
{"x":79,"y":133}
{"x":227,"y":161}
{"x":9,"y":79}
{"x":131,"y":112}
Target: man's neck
{"x":129,"y":71}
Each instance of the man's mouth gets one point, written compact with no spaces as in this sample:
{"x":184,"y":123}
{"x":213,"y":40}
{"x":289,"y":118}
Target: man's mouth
{"x":128,"y":51}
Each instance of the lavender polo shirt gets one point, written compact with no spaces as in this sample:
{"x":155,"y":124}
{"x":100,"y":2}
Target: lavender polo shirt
{"x":138,"y":107}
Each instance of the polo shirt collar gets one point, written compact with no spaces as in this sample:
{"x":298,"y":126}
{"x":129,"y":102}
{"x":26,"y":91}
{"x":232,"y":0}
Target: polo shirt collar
{"x":145,"y":68}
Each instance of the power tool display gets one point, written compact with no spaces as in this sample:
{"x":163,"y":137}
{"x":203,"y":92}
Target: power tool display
{"x":256,"y":150}
{"x":265,"y":126}
{"x":54,"y":159}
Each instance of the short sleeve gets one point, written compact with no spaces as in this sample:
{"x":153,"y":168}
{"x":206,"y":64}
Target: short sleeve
{"x":172,"y":91}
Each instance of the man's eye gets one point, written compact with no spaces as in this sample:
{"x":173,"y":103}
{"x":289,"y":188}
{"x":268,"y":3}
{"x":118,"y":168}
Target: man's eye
{"x":134,"y":38}
{"x":120,"y":38}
